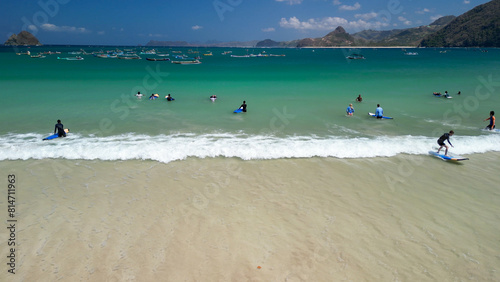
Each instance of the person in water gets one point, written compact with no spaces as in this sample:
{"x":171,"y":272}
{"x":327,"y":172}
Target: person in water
{"x":359,"y":99}
{"x":445,"y":137}
{"x":169,"y":98}
{"x":59,"y":128}
{"x":139,"y":95}
{"x":350,"y":110}
{"x":379,"y":112}
{"x":446,"y":95}
{"x":491,"y":126}
{"x":213,"y":98}
{"x":152,"y":97}
{"x":243,"y":106}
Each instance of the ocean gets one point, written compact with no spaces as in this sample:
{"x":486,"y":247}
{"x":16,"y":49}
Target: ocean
{"x":294,"y":185}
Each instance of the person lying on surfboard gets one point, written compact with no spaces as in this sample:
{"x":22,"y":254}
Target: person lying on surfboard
{"x":443,"y":138}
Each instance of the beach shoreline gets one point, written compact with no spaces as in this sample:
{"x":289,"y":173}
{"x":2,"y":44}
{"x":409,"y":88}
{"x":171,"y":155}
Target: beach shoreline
{"x":224,"y":219}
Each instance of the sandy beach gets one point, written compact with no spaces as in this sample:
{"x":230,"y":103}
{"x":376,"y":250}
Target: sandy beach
{"x":316,"y":219}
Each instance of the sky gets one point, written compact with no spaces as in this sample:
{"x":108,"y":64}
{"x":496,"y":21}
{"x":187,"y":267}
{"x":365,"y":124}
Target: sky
{"x":133,"y":22}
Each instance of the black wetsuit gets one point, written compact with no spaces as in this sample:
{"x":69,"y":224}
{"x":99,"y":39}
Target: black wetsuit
{"x":60,"y":130}
{"x":443,"y":138}
{"x":243,"y":107}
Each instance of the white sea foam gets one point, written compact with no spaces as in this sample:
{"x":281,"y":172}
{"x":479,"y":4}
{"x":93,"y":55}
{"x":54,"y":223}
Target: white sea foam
{"x":169,"y":148}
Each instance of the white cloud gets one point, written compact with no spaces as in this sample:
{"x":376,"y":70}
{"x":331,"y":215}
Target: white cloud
{"x":466,"y":2}
{"x":290,"y":2}
{"x":336,"y":2}
{"x":71,"y":29}
{"x":33,"y":28}
{"x":101,"y":32}
{"x":367,"y":16}
{"x":404,"y":20}
{"x":196,"y":27}
{"x":269,"y":29}
{"x":330,"y":23}
{"x":356,"y":6}
{"x":423,"y":11}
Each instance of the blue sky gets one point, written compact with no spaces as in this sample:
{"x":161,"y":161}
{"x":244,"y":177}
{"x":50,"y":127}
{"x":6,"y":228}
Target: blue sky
{"x":133,"y":22}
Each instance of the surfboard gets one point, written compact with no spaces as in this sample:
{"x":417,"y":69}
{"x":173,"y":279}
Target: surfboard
{"x":54,"y":136}
{"x":448,"y":157}
{"x":373,"y":115}
{"x":238,"y":110}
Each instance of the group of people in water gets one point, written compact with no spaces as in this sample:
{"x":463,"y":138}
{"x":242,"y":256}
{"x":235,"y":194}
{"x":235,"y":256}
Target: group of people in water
{"x":169,"y":97}
{"x":379,"y":113}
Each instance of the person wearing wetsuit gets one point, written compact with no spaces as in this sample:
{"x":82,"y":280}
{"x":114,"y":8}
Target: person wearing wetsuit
{"x":59,"y":128}
{"x":379,"y":112}
{"x":243,"y":107}
{"x":491,"y":126}
{"x":445,"y":137}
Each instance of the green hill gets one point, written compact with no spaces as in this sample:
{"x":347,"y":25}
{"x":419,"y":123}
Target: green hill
{"x":479,"y":27}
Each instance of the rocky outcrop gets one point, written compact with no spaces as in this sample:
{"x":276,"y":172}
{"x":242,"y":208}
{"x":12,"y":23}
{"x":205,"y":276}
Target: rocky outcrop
{"x":23,"y":38}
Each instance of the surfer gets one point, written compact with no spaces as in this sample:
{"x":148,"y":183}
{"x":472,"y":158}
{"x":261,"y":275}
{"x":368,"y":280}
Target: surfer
{"x":443,"y":138}
{"x":59,"y":128}
{"x":139,"y":95}
{"x":379,"y":112}
{"x":491,"y":126}
{"x":169,"y":98}
{"x":243,"y":106}
{"x":349,"y":110}
{"x":359,"y":99}
{"x":446,"y":95}
{"x":213,"y":98}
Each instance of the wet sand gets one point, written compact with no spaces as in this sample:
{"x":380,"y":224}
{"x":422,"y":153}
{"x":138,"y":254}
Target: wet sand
{"x":405,"y":218}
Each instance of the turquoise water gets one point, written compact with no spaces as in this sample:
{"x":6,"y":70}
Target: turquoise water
{"x":296,"y":103}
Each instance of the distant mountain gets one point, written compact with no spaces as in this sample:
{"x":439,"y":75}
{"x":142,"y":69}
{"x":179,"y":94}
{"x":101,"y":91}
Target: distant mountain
{"x":338,"y":37}
{"x":23,"y":38}
{"x":267,"y":43}
{"x":403,"y":37}
{"x":479,"y":27}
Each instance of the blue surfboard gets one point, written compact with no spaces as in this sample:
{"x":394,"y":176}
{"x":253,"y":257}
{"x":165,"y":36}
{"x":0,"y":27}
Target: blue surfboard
{"x":448,"y":157}
{"x":373,"y":115}
{"x":238,"y":111}
{"x":54,"y":136}
{"x":51,"y":137}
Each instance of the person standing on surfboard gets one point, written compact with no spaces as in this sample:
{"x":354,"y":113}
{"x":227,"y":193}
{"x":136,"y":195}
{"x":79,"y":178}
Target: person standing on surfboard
{"x":379,"y":112}
{"x":443,"y":138}
{"x":491,"y":126}
{"x":59,"y":128}
{"x":243,"y":106}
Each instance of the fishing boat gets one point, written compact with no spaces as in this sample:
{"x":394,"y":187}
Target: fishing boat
{"x":191,"y":62}
{"x":129,"y":57}
{"x":158,"y":59}
{"x":355,"y":57}
{"x":39,"y":56}
{"x":78,"y":58}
